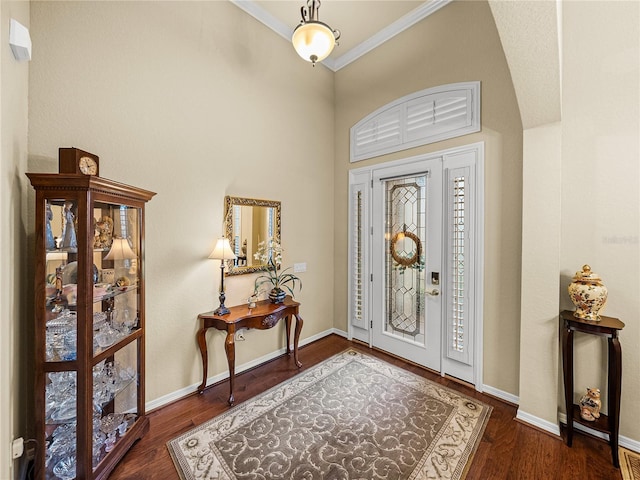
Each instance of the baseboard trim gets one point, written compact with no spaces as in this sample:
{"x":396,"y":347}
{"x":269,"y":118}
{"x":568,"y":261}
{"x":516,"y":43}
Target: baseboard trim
{"x":183,"y":392}
{"x":501,"y":395}
{"x":342,"y":333}
{"x":538,"y":423}
{"x":629,"y":443}
{"x":623,"y":441}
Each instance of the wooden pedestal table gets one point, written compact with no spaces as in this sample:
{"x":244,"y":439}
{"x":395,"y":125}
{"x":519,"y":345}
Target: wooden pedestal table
{"x":607,"y":327}
{"x":265,"y":315}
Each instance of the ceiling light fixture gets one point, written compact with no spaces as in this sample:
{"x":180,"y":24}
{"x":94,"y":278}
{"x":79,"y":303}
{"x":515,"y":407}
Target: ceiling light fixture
{"x":312,"y":39}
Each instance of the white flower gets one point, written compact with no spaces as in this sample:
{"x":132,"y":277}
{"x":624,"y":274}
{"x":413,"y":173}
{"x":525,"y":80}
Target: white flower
{"x":269,"y":253}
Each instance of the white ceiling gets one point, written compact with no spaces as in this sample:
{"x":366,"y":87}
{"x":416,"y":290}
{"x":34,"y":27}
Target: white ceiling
{"x":363,"y":24}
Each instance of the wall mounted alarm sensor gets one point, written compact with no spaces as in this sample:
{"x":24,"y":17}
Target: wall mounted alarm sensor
{"x":20,"y":41}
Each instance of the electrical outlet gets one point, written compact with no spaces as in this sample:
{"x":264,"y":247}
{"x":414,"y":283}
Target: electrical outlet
{"x":17,"y":448}
{"x":299,"y":267}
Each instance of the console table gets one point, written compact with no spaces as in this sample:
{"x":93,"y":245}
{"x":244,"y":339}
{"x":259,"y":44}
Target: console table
{"x":265,"y":315}
{"x":607,"y":327}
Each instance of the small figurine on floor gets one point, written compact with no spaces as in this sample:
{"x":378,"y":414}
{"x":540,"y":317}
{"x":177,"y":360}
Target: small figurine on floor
{"x":590,"y":405}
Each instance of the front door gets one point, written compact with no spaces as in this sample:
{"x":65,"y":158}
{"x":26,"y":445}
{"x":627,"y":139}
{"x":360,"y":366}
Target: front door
{"x":416,"y":230}
{"x":406,"y":261}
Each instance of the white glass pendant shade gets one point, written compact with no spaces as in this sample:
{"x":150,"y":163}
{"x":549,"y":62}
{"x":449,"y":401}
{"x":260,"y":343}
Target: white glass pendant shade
{"x":313,"y":41}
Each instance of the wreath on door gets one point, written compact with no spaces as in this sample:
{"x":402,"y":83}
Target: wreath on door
{"x":401,"y":259}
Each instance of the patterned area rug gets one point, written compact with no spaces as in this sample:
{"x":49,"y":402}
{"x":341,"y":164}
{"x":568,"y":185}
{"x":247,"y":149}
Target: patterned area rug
{"x":351,"y":417}
{"x":629,"y":464}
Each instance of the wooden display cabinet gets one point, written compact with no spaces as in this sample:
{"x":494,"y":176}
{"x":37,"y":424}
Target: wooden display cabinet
{"x":89,"y":323}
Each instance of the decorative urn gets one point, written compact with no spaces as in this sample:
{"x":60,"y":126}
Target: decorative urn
{"x":588,"y":294}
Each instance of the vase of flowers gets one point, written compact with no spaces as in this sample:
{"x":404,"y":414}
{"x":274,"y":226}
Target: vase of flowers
{"x":270,"y":253}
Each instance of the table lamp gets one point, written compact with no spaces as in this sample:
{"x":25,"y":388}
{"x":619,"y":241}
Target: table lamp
{"x":121,"y":250}
{"x":222,"y":252}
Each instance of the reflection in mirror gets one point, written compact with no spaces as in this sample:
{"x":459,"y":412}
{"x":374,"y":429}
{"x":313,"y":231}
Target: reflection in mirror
{"x":248,"y":222}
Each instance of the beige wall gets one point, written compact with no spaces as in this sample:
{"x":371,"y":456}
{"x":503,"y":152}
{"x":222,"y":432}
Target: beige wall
{"x":541,"y":220}
{"x":14,"y":320}
{"x":458,"y":43}
{"x":195,"y":101}
{"x":586,"y":170}
{"x":600,"y":181}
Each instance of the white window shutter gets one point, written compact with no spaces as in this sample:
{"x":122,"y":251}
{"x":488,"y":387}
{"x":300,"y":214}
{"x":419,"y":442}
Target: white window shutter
{"x":421,"y":118}
{"x":383,"y":131}
{"x":359,"y":236}
{"x":459,"y":259}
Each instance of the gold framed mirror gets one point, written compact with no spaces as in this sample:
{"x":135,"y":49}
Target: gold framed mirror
{"x":247,"y":222}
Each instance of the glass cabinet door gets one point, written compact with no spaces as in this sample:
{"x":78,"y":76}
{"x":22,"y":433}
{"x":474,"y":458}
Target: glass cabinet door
{"x":61,"y":280}
{"x":109,"y":305}
{"x":116,"y":313}
{"x":60,"y":336}
{"x":116,"y":253}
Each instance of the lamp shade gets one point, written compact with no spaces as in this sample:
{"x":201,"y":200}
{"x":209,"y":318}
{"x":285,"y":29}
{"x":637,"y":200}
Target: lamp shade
{"x":120,"y":250}
{"x":313,"y":41}
{"x":222,"y":250}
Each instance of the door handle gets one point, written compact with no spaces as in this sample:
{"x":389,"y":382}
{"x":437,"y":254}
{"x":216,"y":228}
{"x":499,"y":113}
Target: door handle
{"x":434,"y":293}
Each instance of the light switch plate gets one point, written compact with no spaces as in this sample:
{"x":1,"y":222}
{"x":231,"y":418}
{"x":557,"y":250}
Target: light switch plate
{"x":299,"y":267}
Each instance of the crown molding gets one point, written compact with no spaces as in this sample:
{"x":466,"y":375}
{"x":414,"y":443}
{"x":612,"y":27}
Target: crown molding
{"x":335,"y":64}
{"x":265,"y":17}
{"x":387,"y":33}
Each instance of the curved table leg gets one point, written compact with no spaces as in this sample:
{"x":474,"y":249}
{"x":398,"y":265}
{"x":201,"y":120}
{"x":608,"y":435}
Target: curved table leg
{"x":230,"y":348}
{"x":287,"y":327}
{"x":202,"y":343}
{"x":296,"y":337}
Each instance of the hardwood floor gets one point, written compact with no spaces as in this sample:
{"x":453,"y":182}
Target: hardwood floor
{"x":508,"y":450}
